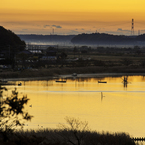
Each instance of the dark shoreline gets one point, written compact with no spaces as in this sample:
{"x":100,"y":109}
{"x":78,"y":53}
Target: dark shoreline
{"x":65,"y":72}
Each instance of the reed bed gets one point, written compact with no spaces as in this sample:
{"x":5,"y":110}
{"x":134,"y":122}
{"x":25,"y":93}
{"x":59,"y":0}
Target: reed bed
{"x":66,"y":137}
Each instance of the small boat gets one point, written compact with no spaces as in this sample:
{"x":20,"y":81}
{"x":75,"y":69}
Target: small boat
{"x":102,"y":82}
{"x":20,"y":84}
{"x":60,"y":81}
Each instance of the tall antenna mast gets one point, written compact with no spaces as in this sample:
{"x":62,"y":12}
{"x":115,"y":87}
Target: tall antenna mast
{"x":132,"y":27}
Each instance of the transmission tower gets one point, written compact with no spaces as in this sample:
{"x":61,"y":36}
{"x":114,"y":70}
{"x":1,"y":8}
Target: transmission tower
{"x":132,"y":27}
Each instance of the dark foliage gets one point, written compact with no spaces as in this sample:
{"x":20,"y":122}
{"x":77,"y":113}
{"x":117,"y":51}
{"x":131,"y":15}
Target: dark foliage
{"x":126,"y":61}
{"x":102,"y":38}
{"x":9,"y":40}
{"x":44,"y":38}
{"x":64,"y":137}
{"x":12,"y":113}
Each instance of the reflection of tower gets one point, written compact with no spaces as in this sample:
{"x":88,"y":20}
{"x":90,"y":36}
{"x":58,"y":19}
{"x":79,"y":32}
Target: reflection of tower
{"x":102,"y":96}
{"x":132,"y":27}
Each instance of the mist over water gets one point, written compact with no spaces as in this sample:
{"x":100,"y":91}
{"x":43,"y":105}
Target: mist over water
{"x":65,"y":41}
{"x":71,"y":45}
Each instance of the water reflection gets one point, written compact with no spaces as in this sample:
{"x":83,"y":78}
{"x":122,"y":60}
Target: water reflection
{"x":125,"y":81}
{"x":102,"y":96}
{"x":106,"y":106}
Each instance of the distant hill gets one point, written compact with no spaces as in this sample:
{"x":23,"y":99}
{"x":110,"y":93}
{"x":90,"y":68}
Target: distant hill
{"x":102,"y":38}
{"x":45,"y":38}
{"x":9,"y":40}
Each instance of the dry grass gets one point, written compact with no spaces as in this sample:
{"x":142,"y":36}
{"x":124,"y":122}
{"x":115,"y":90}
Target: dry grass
{"x":108,"y":57}
{"x":28,"y":73}
{"x":63,"y":137}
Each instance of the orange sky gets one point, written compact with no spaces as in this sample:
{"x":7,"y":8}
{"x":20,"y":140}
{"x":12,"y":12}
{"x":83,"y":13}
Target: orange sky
{"x":72,"y":17}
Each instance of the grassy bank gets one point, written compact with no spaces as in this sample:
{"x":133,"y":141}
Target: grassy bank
{"x":66,"y":137}
{"x":47,"y":72}
{"x":86,"y":63}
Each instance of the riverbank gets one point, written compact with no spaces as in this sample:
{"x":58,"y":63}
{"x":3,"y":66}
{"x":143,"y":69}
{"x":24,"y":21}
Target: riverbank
{"x":97,"y":71}
{"x":66,"y":137}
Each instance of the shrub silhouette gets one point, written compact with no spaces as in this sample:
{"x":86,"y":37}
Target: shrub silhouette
{"x":12,"y":113}
{"x":76,"y":128}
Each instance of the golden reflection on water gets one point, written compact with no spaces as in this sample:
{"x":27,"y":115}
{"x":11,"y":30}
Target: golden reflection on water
{"x":121,"y":109}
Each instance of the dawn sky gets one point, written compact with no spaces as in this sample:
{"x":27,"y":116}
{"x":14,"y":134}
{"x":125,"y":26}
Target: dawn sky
{"x":72,"y":17}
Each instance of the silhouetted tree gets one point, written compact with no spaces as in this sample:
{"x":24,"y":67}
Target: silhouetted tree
{"x":76,"y":127}
{"x":12,"y":113}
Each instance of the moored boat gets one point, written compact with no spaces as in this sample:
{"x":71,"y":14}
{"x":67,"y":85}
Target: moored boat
{"x":102,"y":82}
{"x":60,"y":81}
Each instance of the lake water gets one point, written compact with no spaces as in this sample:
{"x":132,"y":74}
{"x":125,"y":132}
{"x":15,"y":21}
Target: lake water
{"x":119,"y":109}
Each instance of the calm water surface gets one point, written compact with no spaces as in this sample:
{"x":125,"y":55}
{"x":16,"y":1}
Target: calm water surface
{"x":121,"y":109}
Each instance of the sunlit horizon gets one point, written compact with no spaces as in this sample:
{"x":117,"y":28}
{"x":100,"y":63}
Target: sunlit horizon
{"x":72,"y":17}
